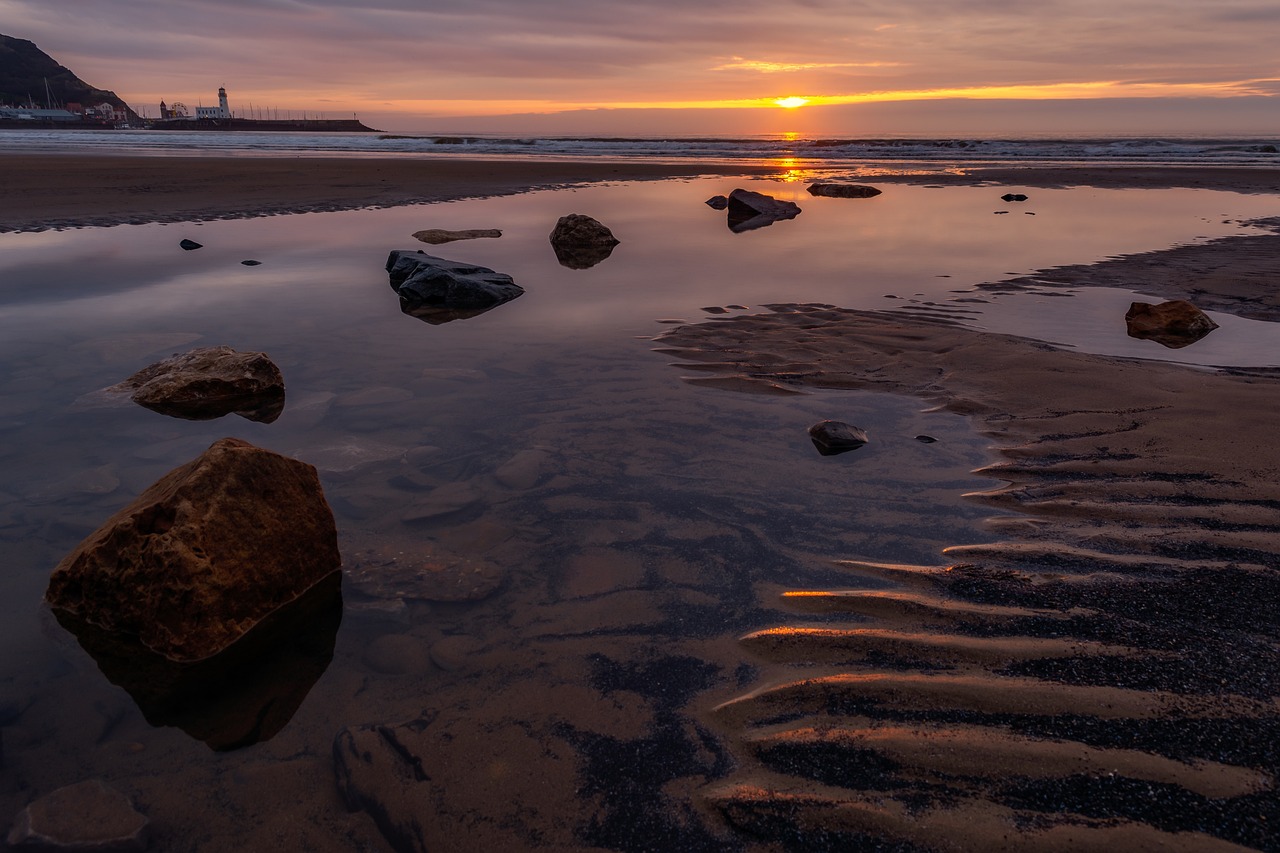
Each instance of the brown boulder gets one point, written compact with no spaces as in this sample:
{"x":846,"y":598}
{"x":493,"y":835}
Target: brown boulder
{"x":1173,"y":324}
{"x":843,"y":190}
{"x":204,"y":554}
{"x":210,"y":382}
{"x":581,"y":242}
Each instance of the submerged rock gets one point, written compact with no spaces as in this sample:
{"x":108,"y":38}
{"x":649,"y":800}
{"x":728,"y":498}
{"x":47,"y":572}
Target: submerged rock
{"x":425,"y":280}
{"x":1173,"y":324}
{"x":210,"y":382}
{"x":843,"y":190}
{"x":581,"y":242}
{"x":203,"y":555}
{"x":88,"y":816}
{"x":437,"y":236}
{"x":833,"y":437}
{"x":750,"y":210}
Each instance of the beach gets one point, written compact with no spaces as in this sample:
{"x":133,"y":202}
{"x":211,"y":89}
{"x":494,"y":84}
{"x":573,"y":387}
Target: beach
{"x":69,"y":190}
{"x":1084,"y":658}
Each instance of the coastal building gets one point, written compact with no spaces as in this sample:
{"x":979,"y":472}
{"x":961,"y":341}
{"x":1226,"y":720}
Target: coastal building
{"x":220,"y":111}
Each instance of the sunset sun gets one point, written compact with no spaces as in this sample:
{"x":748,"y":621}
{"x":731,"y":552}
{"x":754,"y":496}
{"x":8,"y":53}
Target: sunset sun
{"x":791,"y":103}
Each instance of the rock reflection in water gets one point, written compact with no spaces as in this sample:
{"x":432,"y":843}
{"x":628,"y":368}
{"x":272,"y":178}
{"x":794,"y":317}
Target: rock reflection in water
{"x":438,"y":315}
{"x":242,"y":696}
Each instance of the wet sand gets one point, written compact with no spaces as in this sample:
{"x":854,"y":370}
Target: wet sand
{"x":70,"y":190}
{"x":1061,"y":688}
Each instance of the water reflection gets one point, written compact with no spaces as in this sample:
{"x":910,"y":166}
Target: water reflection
{"x":242,"y":696}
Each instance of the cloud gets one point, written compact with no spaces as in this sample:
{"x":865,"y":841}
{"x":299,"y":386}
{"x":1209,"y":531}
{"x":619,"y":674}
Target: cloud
{"x":497,"y":55}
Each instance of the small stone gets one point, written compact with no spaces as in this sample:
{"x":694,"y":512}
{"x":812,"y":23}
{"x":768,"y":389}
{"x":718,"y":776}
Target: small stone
{"x":87,"y":816}
{"x":524,"y":470}
{"x":833,"y":437}
{"x":191,"y":245}
{"x":438,"y":236}
{"x":718,"y":202}
{"x":1174,"y":324}
{"x":251,"y":263}
{"x":1013,"y":197}
{"x":844,"y":190}
{"x":926,"y":439}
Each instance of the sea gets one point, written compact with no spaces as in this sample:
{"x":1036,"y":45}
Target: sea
{"x":888,"y":153}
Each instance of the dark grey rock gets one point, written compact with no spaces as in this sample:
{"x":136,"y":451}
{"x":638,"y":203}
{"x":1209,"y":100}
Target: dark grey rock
{"x":1013,"y":197}
{"x":925,"y":439}
{"x":833,"y":437}
{"x":750,"y":210}
{"x":718,"y":202}
{"x":581,"y":242}
{"x":843,"y":190}
{"x":191,"y":245}
{"x":251,"y":263}
{"x":425,"y":280}
{"x":88,"y":817}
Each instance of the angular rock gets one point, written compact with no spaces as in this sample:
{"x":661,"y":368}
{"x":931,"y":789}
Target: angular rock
{"x":209,"y":382}
{"x":422,"y":279}
{"x":1173,"y":324}
{"x":436,"y":236}
{"x":843,"y":190}
{"x":190,"y":245}
{"x":832,"y":437}
{"x":1013,"y":197}
{"x":581,"y":242}
{"x":88,"y":816}
{"x":718,"y":202}
{"x":750,"y":210}
{"x":203,"y":555}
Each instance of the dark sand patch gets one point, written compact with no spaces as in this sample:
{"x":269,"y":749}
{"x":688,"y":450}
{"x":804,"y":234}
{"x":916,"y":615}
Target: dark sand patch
{"x":1141,"y":530}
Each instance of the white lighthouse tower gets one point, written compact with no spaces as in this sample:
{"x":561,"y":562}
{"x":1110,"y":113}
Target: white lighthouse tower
{"x":223,"y":110}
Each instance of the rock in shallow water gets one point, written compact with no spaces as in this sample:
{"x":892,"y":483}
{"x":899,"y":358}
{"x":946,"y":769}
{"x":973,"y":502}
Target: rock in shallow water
{"x":833,"y":437}
{"x":750,"y":210}
{"x":1174,"y":324}
{"x":436,"y":236}
{"x":843,"y":190}
{"x":209,"y":382}
{"x":204,"y":554}
{"x":88,"y":817}
{"x":581,"y":242}
{"x":422,"y":279}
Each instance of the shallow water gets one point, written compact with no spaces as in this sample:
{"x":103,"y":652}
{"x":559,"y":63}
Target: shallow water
{"x":637,"y":524}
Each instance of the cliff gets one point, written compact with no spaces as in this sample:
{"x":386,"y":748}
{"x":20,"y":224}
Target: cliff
{"x":24,"y":68}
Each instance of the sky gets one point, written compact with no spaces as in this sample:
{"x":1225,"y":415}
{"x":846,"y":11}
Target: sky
{"x":852,"y":67}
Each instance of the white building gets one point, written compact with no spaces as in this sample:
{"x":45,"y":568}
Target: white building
{"x":220,"y":111}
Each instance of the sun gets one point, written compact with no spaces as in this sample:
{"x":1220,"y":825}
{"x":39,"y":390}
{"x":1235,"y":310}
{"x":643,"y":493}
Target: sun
{"x":790,"y":103}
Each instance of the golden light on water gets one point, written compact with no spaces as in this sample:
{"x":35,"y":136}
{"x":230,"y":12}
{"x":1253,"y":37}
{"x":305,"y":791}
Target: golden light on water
{"x":791,"y":103}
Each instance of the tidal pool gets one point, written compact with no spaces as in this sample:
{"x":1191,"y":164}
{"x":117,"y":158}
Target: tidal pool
{"x":633,"y":526}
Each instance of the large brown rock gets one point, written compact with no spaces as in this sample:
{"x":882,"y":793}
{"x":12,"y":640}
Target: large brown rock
{"x":580,"y":241}
{"x":748,"y":210}
{"x":210,"y":382}
{"x":1173,"y":324}
{"x":204,"y":554}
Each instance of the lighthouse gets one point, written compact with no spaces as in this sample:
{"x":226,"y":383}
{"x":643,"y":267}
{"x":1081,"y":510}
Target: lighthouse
{"x":223,"y":110}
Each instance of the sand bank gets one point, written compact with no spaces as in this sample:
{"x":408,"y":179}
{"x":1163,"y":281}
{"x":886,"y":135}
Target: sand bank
{"x":70,"y":190}
{"x":1139,"y":524}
